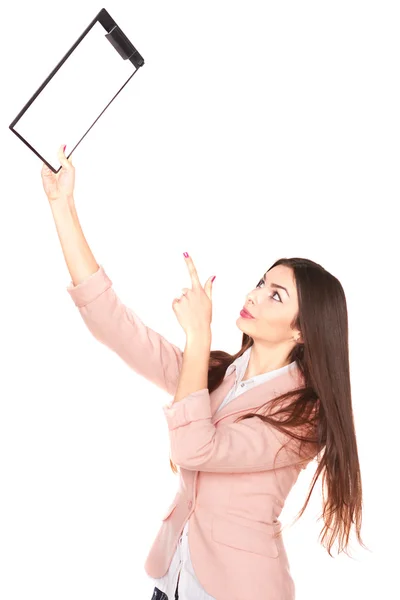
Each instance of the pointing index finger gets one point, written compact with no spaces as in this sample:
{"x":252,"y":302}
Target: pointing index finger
{"x":192,"y":271}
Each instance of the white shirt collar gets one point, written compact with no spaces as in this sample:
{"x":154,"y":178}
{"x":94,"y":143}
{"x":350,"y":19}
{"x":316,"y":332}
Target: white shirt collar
{"x":240,"y":365}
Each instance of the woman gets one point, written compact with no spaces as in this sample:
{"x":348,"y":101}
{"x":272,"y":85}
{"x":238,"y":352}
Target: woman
{"x":241,"y":426}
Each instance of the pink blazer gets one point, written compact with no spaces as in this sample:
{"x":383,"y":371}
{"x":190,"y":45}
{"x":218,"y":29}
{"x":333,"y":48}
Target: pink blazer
{"x":228,"y":487}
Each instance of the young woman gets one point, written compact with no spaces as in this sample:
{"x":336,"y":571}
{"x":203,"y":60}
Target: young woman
{"x":241,"y":426}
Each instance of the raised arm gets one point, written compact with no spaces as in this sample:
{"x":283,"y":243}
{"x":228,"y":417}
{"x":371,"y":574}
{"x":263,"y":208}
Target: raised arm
{"x":112,"y":323}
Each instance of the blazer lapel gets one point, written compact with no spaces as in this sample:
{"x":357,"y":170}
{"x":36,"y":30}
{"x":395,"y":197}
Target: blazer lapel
{"x":254,"y":397}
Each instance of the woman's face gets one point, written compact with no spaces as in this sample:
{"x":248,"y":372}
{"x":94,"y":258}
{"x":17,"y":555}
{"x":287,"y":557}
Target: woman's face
{"x":273,"y":308}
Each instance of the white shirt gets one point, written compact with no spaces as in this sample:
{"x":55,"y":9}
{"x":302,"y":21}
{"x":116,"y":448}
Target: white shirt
{"x":189,"y":586}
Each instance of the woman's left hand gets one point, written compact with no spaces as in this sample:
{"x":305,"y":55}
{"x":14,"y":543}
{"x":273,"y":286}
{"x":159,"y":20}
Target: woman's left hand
{"x":194,"y":308}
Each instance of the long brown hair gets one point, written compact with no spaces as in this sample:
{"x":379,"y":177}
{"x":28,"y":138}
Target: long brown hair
{"x":323,"y":407}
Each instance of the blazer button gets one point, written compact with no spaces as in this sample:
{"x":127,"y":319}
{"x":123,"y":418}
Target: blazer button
{"x":190,"y":504}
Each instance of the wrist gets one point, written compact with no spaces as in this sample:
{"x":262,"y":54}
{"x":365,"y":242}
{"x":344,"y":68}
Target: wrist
{"x":62,"y":205}
{"x":62,"y":200}
{"x":198,"y":337}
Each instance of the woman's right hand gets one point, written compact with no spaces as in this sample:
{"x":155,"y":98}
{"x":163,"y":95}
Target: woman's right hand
{"x":61,"y":184}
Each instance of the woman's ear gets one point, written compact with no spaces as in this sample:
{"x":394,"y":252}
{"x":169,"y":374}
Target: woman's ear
{"x":298,"y":337}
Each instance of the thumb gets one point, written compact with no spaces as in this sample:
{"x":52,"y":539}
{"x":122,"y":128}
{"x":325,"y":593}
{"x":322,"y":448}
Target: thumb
{"x":64,"y":161}
{"x":208,"y":286}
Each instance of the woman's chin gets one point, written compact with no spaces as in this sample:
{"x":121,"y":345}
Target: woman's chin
{"x":242,"y":325}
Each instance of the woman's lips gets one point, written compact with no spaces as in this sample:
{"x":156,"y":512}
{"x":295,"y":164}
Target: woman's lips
{"x":245,"y":315}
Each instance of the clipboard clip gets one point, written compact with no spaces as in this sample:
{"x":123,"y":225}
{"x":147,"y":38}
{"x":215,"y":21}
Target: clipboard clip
{"x":124,"y":47}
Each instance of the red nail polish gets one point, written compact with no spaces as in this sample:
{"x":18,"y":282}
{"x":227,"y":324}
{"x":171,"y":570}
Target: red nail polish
{"x":64,"y":148}
{"x":213,"y":278}
{"x":185,"y":254}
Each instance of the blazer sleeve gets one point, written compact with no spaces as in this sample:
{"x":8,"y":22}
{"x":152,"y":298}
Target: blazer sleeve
{"x":247,"y":446}
{"x":116,"y":326}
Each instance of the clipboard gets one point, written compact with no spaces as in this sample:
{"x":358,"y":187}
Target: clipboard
{"x":78,"y":90}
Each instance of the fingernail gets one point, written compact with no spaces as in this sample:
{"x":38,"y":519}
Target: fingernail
{"x":185,"y":254}
{"x":64,"y":148}
{"x":213,"y":278}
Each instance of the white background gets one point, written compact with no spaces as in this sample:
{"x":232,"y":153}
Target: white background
{"x":254,"y":131}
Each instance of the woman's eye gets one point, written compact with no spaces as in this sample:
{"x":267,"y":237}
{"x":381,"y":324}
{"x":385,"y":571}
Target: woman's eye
{"x":262,"y":282}
{"x":277,"y":295}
